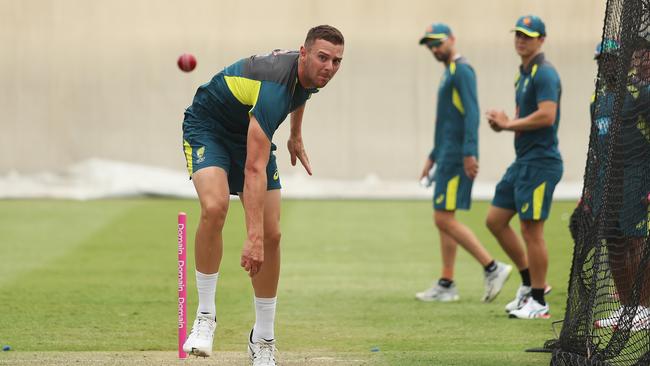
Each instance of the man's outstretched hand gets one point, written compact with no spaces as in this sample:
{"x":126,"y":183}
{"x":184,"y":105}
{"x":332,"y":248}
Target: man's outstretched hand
{"x":297,"y":151}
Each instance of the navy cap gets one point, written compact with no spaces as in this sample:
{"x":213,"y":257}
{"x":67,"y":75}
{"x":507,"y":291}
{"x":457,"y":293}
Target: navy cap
{"x":608,"y":46}
{"x":530,"y":25}
{"x":436,"y":33}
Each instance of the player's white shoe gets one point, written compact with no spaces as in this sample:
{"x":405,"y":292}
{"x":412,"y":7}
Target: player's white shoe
{"x":199,"y":342}
{"x":262,"y":352}
{"x":531,"y":310}
{"x":523,"y":294}
{"x":494,"y":281}
{"x":612,"y":319}
{"x":641,"y":320}
{"x":438,"y":293}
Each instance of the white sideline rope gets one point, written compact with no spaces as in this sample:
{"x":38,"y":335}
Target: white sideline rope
{"x":98,"y":178}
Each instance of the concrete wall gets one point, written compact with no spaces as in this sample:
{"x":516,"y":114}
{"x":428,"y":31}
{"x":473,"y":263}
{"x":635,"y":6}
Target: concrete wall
{"x":97,"y":78}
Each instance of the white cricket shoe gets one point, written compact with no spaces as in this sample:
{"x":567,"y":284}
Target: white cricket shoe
{"x":531,"y":310}
{"x":438,"y":293}
{"x":641,"y":320}
{"x":494,"y":281}
{"x":262,"y":352}
{"x":199,"y":342}
{"x":611,"y":321}
{"x":523,"y":294}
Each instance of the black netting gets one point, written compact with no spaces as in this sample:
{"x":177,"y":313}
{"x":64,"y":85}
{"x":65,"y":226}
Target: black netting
{"x":607,"y":320}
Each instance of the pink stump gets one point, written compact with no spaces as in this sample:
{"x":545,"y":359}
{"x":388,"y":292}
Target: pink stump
{"x":182,"y":283}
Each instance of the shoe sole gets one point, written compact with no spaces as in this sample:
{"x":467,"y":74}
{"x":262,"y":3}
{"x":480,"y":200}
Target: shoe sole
{"x":199,"y":353}
{"x":494,"y":296}
{"x":545,"y":316}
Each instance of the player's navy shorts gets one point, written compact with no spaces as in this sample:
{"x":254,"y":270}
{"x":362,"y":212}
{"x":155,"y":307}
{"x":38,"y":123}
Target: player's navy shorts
{"x":453,"y":189}
{"x":635,"y":212}
{"x":204,"y":145}
{"x":528,"y":190}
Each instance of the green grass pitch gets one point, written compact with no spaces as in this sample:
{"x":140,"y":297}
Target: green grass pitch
{"x":101,"y":276}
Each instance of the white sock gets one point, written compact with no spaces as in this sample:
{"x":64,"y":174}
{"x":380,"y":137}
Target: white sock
{"x":206,"y":284}
{"x":264,"y":318}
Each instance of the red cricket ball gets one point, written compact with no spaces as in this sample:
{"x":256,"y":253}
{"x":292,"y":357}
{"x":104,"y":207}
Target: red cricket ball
{"x":186,"y":62}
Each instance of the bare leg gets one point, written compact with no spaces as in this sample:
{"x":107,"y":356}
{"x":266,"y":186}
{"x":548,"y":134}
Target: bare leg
{"x":447,"y":223}
{"x":498,"y":221}
{"x":211,"y":184}
{"x":448,"y":252}
{"x":533,"y":233}
{"x":635,"y":248}
{"x":212,"y":187}
{"x":618,"y":263}
{"x":265,"y":282}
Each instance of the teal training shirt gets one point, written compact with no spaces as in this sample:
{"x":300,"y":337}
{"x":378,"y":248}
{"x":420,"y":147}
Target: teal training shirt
{"x":537,"y":83}
{"x":601,"y":108}
{"x":457,"y":115}
{"x":265,"y":86}
{"x":634,"y":115}
{"x":634,"y":137}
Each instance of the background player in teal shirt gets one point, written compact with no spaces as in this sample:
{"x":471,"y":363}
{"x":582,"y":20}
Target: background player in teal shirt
{"x":227,"y":134}
{"x":455,"y":152}
{"x":601,"y":109}
{"x":626,"y":238}
{"x":527,"y":187}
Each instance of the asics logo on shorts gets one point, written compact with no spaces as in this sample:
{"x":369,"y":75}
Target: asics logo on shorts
{"x":524,"y":207}
{"x":276,"y":175}
{"x":440,"y":198}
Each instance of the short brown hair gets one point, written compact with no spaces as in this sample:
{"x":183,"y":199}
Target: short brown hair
{"x":324,"y":32}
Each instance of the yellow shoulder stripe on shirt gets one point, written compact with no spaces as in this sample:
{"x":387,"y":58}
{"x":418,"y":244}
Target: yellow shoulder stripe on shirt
{"x":517,"y":77}
{"x":245,"y":90}
{"x":455,"y":96}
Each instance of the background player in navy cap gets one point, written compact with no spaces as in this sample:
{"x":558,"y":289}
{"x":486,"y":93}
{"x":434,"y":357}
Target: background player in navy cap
{"x":527,"y":187}
{"x":455,"y":153}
